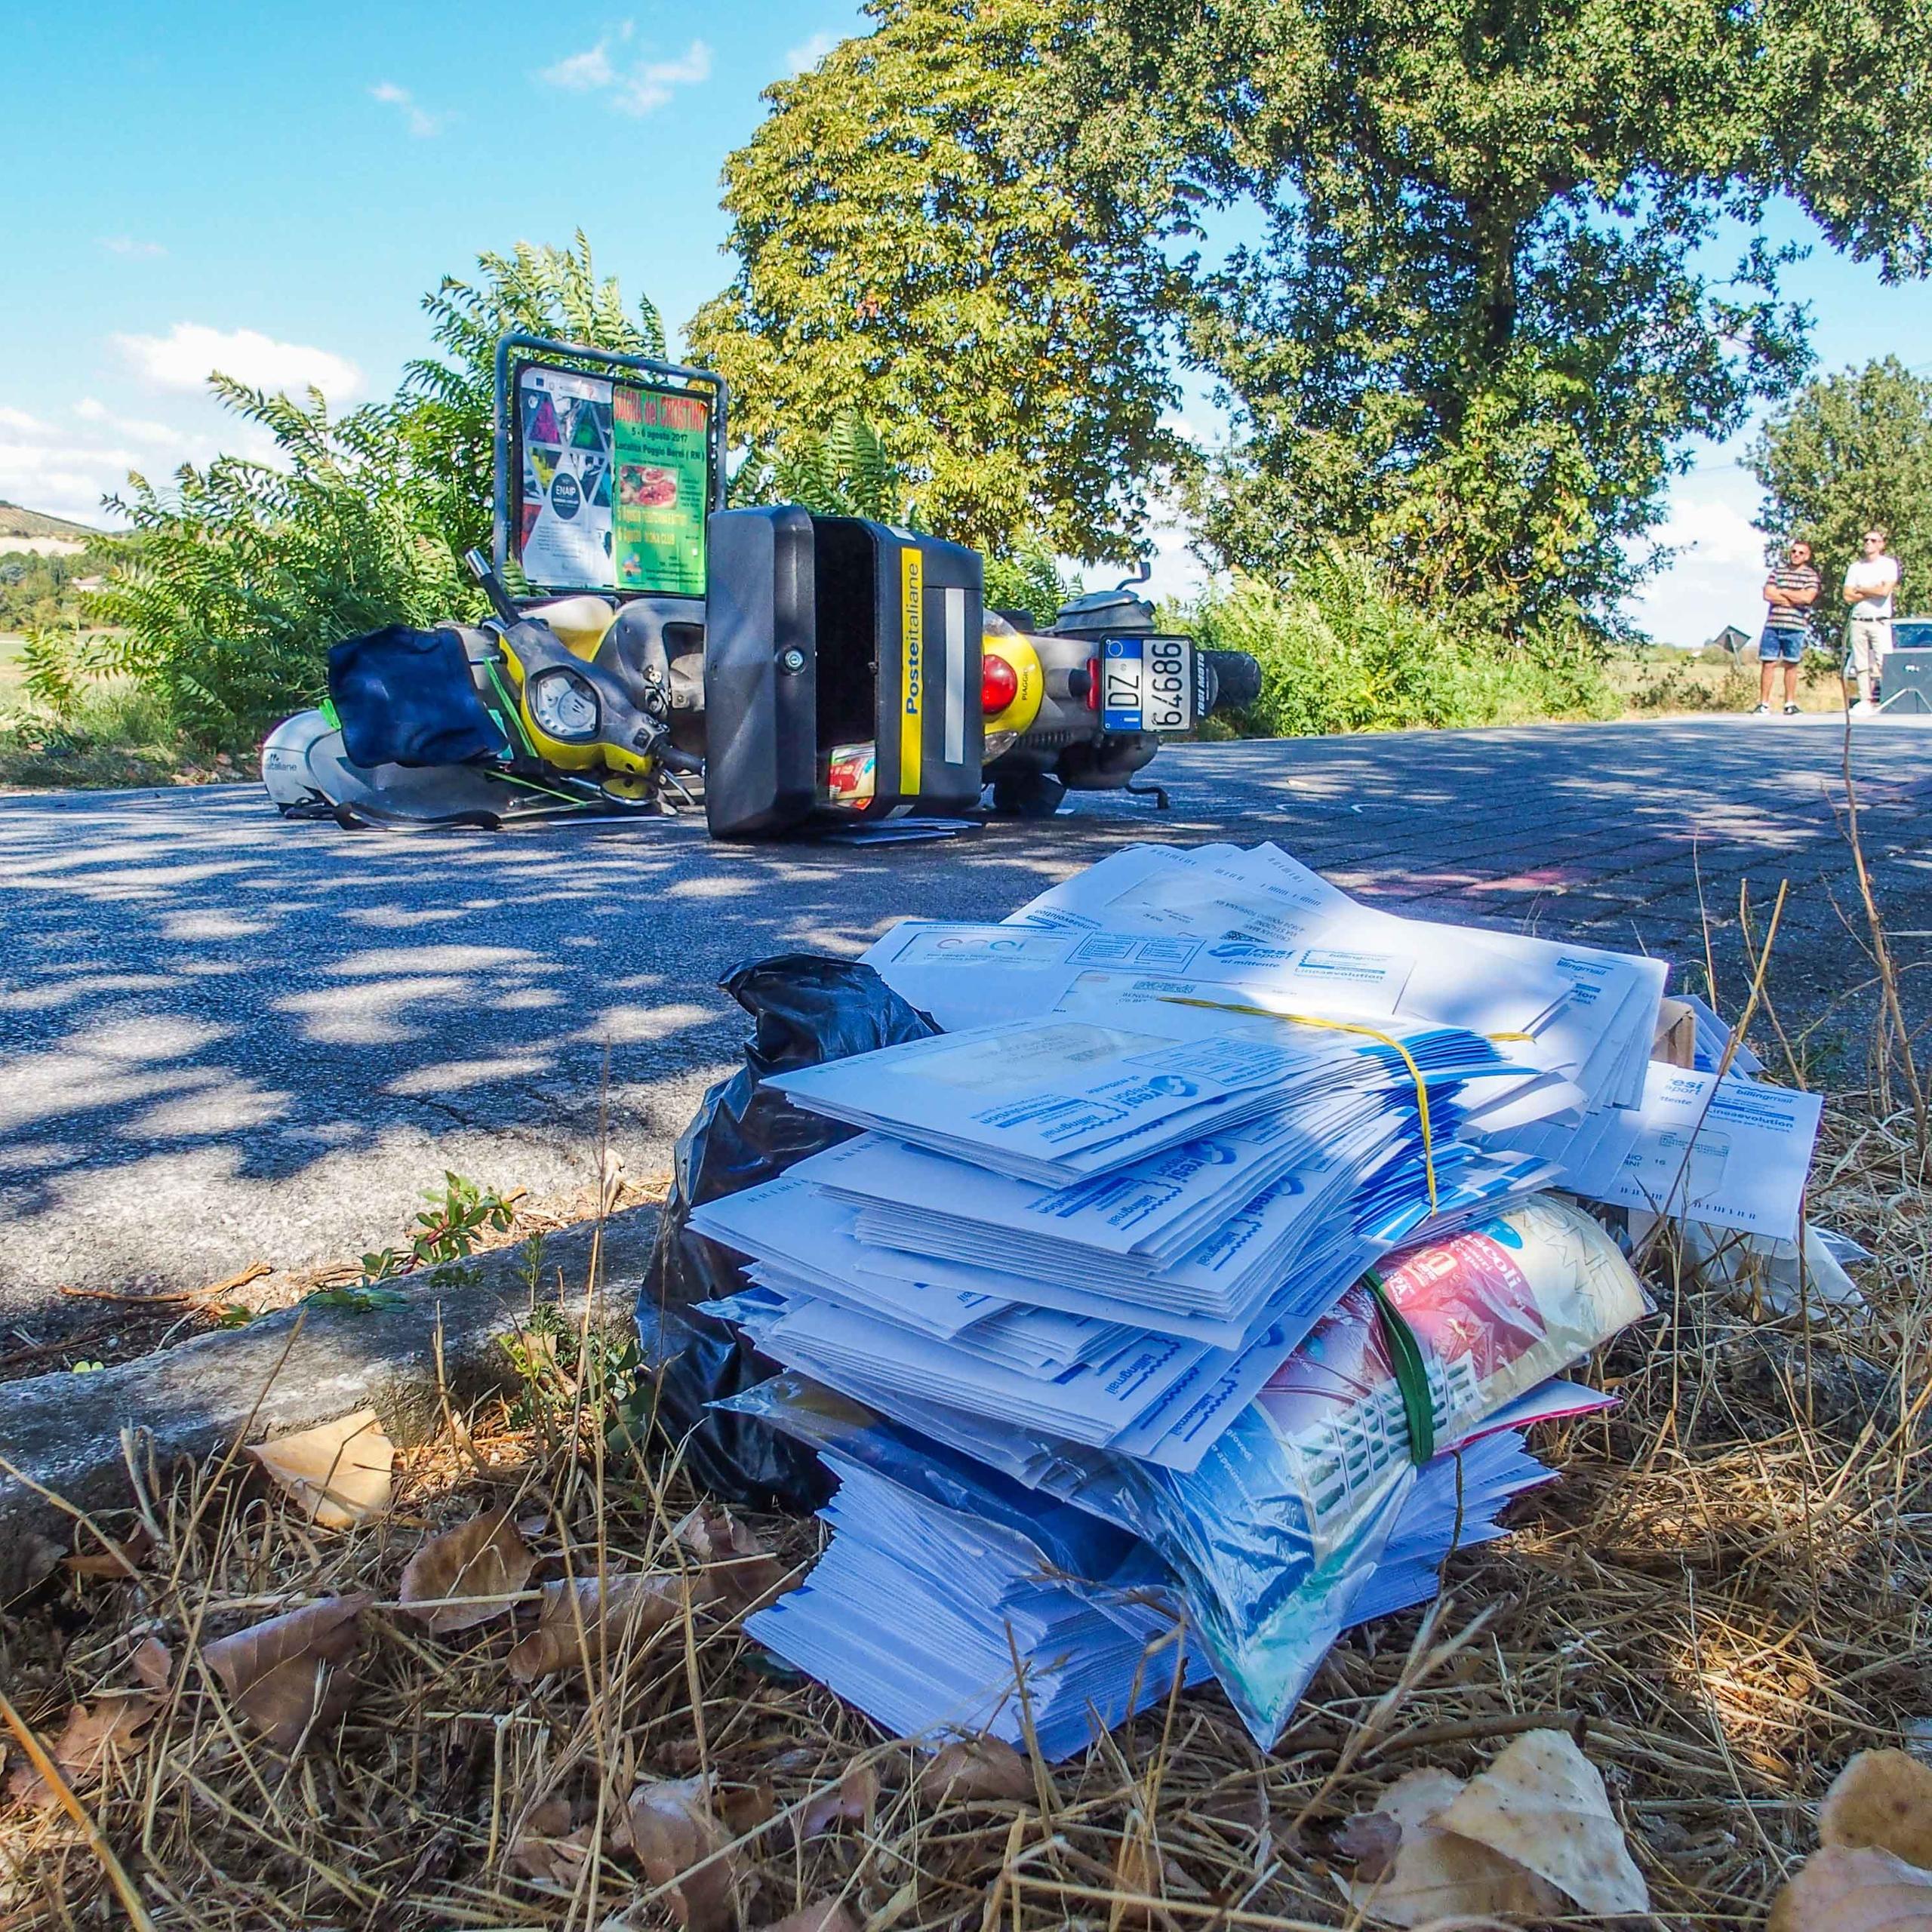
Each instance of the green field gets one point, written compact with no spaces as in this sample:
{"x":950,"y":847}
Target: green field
{"x":1653,"y":681}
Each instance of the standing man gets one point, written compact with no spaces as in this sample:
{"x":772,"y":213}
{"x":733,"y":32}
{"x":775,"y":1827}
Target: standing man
{"x":1869,"y":585}
{"x":1790,"y":591}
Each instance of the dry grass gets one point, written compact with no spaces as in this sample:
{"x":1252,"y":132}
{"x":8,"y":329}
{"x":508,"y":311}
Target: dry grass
{"x":1726,"y":1596}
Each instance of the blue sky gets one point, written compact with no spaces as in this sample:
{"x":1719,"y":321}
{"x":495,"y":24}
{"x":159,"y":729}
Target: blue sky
{"x":269,"y":190}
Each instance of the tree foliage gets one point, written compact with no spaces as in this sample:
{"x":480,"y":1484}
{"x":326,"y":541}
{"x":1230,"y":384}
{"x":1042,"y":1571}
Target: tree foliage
{"x":921,"y":237}
{"x":1028,"y":578}
{"x":242,"y":574}
{"x":1473,"y":330}
{"x":239,"y":576}
{"x":1848,"y":451}
{"x":843,"y":471}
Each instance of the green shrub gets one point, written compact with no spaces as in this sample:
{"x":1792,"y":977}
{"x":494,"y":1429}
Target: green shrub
{"x":1029,"y":580}
{"x":112,"y":733}
{"x":1664,"y":686}
{"x":240,"y":577}
{"x":1339,"y":652}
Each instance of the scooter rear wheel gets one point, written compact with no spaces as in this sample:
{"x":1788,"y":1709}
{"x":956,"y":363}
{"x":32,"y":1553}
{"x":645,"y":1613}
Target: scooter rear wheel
{"x":1028,"y":795}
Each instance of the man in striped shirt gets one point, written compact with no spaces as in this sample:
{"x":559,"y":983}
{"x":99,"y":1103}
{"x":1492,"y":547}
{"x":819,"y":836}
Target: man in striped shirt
{"x":1790,"y":591}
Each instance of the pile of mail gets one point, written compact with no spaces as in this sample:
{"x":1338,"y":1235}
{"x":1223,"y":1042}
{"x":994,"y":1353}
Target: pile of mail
{"x":1181,"y":1302}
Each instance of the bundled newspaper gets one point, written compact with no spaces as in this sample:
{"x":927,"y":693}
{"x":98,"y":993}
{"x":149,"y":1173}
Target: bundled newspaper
{"x":1183,"y":1300}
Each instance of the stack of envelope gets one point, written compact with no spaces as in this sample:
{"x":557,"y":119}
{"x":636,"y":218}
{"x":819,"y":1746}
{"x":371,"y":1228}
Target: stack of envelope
{"x":982,"y":1574}
{"x":1093,"y":1241}
{"x":1021,"y":1234}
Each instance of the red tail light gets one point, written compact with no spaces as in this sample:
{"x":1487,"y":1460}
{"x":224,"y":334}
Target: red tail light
{"x":1093,"y":684}
{"x":999,"y":685}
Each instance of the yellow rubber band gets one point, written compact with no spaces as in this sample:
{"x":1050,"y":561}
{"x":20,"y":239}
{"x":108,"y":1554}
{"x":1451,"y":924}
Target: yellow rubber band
{"x":1341,"y":1027}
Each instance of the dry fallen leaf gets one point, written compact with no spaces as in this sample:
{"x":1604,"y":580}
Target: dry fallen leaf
{"x":669,"y":1823}
{"x":852,"y":1800}
{"x":743,"y":1807}
{"x":1855,"y":1888}
{"x":153,"y":1663}
{"x":621,"y":1608}
{"x":293,"y":1669}
{"x":546,"y":1847}
{"x":484,"y":1559}
{"x":827,"y":1915}
{"x":971,"y":1768}
{"x":1881,"y":1798}
{"x":1542,"y":1803}
{"x":740,"y":1567}
{"x":1412,"y":1871}
{"x":92,"y":1737}
{"x":117,"y":1560}
{"x":339,"y":1473}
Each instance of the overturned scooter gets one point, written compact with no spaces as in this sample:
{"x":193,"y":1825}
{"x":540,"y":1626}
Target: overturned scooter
{"x":793,"y":671}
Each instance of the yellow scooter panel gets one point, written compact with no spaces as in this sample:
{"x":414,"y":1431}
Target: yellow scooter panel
{"x":528,"y":657}
{"x":579,"y":622}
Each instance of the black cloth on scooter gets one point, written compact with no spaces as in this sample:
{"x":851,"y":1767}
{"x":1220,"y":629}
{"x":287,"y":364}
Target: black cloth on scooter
{"x":805,"y":1009}
{"x":405,"y":697}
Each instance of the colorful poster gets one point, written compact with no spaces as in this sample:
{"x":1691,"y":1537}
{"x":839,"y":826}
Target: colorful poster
{"x":663,"y":459}
{"x":566,"y":483}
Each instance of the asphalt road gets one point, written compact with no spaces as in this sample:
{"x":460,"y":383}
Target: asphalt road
{"x":230,"y":1037}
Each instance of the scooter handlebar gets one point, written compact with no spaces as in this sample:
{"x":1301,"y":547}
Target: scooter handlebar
{"x":480,"y":568}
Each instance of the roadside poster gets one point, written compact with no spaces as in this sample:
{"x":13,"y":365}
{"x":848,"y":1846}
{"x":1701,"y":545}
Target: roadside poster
{"x":566,"y":508}
{"x":663,"y":455}
{"x":615,"y":486}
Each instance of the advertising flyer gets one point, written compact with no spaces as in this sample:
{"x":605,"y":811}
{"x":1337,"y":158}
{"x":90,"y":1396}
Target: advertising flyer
{"x":564,"y":537}
{"x":663,"y":457}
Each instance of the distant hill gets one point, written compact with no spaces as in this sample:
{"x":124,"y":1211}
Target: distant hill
{"x":15,"y":521}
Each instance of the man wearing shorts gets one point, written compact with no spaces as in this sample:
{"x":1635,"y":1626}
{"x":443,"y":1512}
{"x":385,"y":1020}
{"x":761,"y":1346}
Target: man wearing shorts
{"x":1790,"y":591}
{"x":1869,"y":585}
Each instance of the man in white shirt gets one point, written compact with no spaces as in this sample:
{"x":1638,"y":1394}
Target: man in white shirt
{"x":1869,"y":585}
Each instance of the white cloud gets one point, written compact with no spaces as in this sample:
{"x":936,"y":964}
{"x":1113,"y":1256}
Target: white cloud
{"x":141,"y":429}
{"x":1711,"y":531}
{"x":638,"y":89}
{"x":1716,"y":577}
{"x":64,"y":467}
{"x":582,"y":73}
{"x":127,"y":245}
{"x":190,"y":352}
{"x":810,"y":52}
{"x":59,"y":471}
{"x":422,"y":123}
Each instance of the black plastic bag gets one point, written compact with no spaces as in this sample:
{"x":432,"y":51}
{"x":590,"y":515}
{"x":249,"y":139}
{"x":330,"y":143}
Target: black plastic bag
{"x":806,"y":1008}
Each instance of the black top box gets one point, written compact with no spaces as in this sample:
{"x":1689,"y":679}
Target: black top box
{"x":827,"y":638}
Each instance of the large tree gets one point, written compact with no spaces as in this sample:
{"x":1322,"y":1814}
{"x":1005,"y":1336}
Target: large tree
{"x":921,"y":238}
{"x":1850,"y":450}
{"x":1473,"y":332}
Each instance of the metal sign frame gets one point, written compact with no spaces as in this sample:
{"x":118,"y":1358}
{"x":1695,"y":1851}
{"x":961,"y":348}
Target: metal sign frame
{"x":516,"y":353}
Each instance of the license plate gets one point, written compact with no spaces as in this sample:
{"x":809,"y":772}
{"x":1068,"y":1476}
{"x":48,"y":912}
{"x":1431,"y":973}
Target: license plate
{"x":1147,"y":683}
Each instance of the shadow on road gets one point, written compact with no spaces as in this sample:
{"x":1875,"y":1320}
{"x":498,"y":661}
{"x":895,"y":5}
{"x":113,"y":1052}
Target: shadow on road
{"x":229,"y":1034}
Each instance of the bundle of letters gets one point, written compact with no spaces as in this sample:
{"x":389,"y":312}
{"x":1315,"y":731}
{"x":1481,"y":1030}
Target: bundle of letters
{"x":1183,"y":1300}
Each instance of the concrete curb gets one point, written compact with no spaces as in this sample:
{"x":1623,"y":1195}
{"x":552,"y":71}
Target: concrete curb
{"x":290,"y":1370}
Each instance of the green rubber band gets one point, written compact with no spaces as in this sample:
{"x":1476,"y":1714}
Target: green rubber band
{"x":1411,"y":1372}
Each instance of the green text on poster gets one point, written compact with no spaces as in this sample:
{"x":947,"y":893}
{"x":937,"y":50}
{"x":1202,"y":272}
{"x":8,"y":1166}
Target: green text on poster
{"x":662,"y":453}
